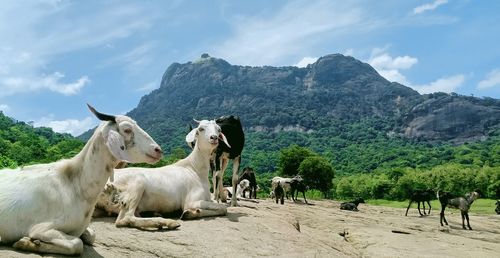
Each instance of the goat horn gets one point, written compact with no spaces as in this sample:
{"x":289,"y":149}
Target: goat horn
{"x":196,"y":121}
{"x":101,"y":116}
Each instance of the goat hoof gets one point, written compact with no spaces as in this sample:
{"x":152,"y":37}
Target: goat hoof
{"x":190,"y":214}
{"x":172,"y":224}
{"x":25,"y":243}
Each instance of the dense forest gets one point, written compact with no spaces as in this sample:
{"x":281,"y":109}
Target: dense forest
{"x":360,"y":160}
{"x":22,"y":144}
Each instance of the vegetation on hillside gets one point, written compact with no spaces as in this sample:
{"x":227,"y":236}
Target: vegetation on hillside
{"x":22,"y":144}
{"x":365,"y":162}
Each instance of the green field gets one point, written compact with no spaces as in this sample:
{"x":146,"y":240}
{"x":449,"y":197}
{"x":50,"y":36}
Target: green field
{"x":480,"y":206}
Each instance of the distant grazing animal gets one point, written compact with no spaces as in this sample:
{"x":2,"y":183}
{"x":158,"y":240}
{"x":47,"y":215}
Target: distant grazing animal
{"x":242,"y":186}
{"x":271,"y":194}
{"x":352,"y":205}
{"x":462,"y":203}
{"x":47,"y":208}
{"x":497,"y":210}
{"x":279,"y":194}
{"x":249,"y":175}
{"x":297,"y":186}
{"x":232,"y":129}
{"x":285,"y":183}
{"x":421,"y":196}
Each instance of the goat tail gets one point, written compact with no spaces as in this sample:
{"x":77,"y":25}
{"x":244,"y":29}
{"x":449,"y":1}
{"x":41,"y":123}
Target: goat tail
{"x":437,"y":194}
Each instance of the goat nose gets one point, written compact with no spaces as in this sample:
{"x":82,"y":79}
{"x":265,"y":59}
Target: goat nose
{"x":214,"y":137}
{"x":158,"y":150}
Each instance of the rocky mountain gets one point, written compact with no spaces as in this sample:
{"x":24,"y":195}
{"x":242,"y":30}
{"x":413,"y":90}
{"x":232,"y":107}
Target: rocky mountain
{"x":335,"y":89}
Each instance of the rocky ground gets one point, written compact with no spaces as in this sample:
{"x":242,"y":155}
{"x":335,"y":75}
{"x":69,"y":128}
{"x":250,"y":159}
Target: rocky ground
{"x":299,"y":230}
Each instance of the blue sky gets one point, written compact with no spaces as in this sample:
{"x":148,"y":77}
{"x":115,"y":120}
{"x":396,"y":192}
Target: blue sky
{"x":55,"y":56}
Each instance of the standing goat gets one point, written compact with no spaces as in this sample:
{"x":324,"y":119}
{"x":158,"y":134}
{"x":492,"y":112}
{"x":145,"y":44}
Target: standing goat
{"x":249,"y":175}
{"x":47,"y":208}
{"x":231,"y":127}
{"x":297,"y":186}
{"x":279,"y":193}
{"x":182,"y":186}
{"x":421,"y":196}
{"x":462,"y":203}
{"x":284,"y":182}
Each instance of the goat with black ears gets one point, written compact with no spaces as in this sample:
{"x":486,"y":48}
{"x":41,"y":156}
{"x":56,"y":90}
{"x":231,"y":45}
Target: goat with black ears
{"x":297,"y":186}
{"x":249,"y":175}
{"x":352,"y":205}
{"x":279,"y":193}
{"x":421,"y":196}
{"x":232,"y":129}
{"x":462,"y":203}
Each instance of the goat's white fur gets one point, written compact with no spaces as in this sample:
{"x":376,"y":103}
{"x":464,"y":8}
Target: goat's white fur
{"x":47,"y":208}
{"x":240,"y":188}
{"x":180,"y":186}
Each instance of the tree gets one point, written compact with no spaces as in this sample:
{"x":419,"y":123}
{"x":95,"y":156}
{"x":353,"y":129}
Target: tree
{"x":317,"y":173}
{"x":290,"y":159}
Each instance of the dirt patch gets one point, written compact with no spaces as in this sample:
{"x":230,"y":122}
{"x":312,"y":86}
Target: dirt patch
{"x":300,"y":230}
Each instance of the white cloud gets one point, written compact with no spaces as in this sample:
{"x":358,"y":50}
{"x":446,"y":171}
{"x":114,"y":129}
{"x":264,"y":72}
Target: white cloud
{"x":50,"y":29}
{"x":445,"y":84}
{"x":4,"y":107}
{"x":349,"y":52}
{"x":298,"y":25}
{"x":12,"y":85}
{"x":74,"y":127}
{"x":491,"y":80}
{"x":305,"y":61}
{"x":148,"y":86}
{"x":385,"y":61}
{"x":429,"y":6}
{"x":135,"y":59}
{"x":389,"y":67}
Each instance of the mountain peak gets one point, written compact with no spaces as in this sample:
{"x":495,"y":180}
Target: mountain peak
{"x":334,"y":88}
{"x":337,"y":68}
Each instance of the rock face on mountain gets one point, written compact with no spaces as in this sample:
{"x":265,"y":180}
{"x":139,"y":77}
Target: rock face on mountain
{"x":335,"y":89}
{"x":451,"y":117}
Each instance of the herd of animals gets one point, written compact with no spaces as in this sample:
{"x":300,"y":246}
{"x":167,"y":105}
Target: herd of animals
{"x":47,"y":208}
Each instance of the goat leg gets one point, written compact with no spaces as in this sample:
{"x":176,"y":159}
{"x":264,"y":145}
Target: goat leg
{"x":409,"y":204}
{"x":467,"y":217}
{"x":463,"y":219}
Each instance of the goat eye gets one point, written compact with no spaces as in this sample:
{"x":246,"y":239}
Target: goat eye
{"x":201,"y":129}
{"x":128,"y":131}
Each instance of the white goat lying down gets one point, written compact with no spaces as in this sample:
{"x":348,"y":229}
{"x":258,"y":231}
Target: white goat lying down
{"x":240,"y":189}
{"x":47,"y":208}
{"x":180,"y":186}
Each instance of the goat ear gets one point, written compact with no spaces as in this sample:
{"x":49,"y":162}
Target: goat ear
{"x":223,"y":137}
{"x":116,"y":145}
{"x":191,"y":136}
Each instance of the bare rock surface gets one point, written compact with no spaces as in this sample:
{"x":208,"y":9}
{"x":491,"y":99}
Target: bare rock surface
{"x":266,"y":229}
